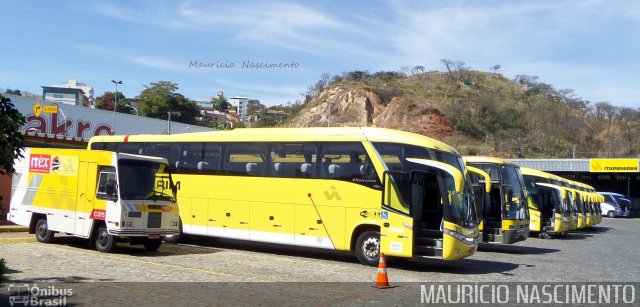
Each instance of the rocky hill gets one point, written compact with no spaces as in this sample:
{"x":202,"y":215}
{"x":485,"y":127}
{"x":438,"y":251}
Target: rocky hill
{"x":355,"y":105}
{"x":478,"y":112}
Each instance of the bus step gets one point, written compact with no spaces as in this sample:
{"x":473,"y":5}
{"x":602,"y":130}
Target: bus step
{"x":428,"y":241}
{"x":428,"y":251}
{"x":493,"y":231}
{"x":489,"y":237}
{"x":428,"y":233}
{"x":491,"y":224}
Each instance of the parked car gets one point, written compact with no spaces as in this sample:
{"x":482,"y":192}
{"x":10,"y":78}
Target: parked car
{"x":614,"y":205}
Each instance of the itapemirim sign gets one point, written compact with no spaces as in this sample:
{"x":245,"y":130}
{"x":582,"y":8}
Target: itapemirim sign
{"x":613,"y":165}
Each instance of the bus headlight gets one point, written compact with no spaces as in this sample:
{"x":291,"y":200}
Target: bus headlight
{"x":460,"y":237}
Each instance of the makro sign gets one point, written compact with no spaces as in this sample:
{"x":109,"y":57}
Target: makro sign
{"x":613,"y":165}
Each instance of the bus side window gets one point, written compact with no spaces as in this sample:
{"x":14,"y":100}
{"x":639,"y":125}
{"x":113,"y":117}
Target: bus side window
{"x":211,"y":159}
{"x":347,"y":161}
{"x":191,"y":156}
{"x":245,"y":159}
{"x":293,"y":160}
{"x":110,"y":146}
{"x":132,"y":148}
{"x":166,"y":150}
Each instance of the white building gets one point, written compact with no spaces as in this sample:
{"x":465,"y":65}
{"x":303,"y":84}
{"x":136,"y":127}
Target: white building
{"x":72,"y":92}
{"x":241,"y":103}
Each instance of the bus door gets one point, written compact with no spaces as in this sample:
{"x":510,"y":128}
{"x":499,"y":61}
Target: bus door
{"x":413,"y":210}
{"x":481,"y":182}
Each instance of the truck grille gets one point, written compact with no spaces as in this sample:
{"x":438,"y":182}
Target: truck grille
{"x":154,"y":220}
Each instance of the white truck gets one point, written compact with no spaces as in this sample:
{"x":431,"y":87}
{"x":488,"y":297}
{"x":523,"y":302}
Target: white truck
{"x":99,"y":195}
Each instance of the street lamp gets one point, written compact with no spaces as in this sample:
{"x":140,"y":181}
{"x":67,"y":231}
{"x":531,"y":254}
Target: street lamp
{"x":115,"y":105}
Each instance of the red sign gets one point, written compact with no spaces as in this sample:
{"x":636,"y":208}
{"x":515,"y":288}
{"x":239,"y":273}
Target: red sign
{"x":98,"y":214}
{"x":39,"y":163}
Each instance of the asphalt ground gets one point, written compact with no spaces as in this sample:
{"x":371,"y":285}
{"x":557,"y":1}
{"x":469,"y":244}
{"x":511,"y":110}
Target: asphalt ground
{"x":209,"y":271}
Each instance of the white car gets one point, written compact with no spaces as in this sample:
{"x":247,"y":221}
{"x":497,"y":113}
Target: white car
{"x":614,"y":205}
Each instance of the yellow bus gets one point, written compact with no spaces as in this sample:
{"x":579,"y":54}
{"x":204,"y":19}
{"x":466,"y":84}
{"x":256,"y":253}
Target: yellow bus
{"x":548,"y":203}
{"x":365,"y":190}
{"x":505,"y":217}
{"x":579,"y":199}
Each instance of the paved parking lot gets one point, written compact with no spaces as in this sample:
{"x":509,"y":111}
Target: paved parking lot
{"x":608,"y":252}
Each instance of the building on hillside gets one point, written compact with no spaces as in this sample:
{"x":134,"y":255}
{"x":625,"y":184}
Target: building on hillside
{"x":241,"y":103}
{"x":211,"y":114}
{"x":72,"y":92}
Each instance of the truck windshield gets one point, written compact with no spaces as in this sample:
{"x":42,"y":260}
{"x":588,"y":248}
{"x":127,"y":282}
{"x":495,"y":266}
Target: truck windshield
{"x":144,"y":180}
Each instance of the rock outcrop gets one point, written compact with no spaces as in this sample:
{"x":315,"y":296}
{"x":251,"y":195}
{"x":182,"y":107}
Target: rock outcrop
{"x":363,"y":107}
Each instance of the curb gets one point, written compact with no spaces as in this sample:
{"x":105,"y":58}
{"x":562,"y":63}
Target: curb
{"x":13,"y":228}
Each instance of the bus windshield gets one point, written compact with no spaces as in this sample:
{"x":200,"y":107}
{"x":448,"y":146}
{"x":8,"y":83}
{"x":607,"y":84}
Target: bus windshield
{"x":514,"y":194}
{"x":460,"y":208}
{"x":144,"y":180}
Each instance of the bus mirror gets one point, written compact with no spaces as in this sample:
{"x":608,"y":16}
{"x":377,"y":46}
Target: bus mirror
{"x":174,"y":189}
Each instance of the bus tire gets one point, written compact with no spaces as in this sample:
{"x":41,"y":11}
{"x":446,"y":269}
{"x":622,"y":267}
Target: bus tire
{"x":611,"y":214}
{"x":43,"y":234}
{"x":103,"y":241}
{"x":152,"y":244}
{"x":367,"y":248}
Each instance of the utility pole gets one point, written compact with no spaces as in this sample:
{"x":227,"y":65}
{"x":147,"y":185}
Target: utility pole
{"x":115,"y":105}
{"x":169,"y":120}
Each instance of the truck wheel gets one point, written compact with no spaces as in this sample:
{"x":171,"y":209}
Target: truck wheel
{"x":611,"y":214}
{"x":152,"y":244}
{"x":367,"y":248}
{"x":104,"y":242}
{"x":43,"y":234}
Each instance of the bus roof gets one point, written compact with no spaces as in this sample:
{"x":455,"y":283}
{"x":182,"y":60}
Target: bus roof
{"x":289,"y":134}
{"x":484,"y":159}
{"x":535,"y":172}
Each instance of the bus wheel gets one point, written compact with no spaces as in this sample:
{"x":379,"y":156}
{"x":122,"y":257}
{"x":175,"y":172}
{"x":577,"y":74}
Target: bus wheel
{"x":611,"y":214}
{"x":104,"y":242}
{"x":43,"y":234}
{"x":152,"y":244}
{"x":367,"y":248}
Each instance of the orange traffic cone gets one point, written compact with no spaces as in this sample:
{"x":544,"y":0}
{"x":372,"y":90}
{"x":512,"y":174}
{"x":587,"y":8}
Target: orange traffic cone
{"x":382,"y":280}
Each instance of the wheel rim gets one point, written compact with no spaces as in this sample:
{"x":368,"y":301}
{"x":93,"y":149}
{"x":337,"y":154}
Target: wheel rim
{"x":42,"y":230}
{"x":103,"y":238}
{"x":371,"y":248}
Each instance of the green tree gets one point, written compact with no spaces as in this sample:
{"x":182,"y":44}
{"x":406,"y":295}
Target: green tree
{"x":161,"y":97}
{"x":13,"y":92}
{"x":217,"y":124}
{"x":221,"y":103}
{"x":11,"y":141}
{"x":106,"y":101}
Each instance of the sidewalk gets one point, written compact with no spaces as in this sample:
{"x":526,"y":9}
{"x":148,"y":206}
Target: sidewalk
{"x":13,"y":228}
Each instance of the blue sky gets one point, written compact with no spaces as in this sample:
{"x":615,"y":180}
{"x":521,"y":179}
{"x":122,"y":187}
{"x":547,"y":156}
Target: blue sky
{"x":590,"y":46}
